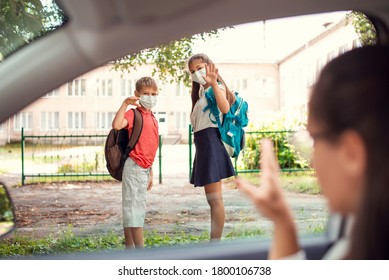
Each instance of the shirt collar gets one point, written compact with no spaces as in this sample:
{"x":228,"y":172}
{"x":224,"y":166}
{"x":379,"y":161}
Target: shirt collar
{"x":144,"y":110}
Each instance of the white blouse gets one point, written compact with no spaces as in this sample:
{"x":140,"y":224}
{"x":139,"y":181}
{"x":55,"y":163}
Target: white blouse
{"x":201,"y":120}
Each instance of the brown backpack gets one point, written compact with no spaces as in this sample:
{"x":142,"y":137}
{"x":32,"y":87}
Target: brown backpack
{"x":119,"y":144}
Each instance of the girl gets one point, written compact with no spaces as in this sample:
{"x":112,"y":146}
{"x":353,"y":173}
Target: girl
{"x":211,"y":163}
{"x":348,"y":122}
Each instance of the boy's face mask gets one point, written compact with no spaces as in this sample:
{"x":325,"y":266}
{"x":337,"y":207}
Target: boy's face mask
{"x":148,"y":101}
{"x":198,"y":76}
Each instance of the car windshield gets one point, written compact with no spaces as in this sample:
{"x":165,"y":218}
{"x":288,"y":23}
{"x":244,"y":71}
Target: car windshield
{"x":22,"y":22}
{"x":56,"y":144}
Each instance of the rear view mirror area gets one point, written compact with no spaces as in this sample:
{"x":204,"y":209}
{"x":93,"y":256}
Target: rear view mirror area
{"x":7,"y":217}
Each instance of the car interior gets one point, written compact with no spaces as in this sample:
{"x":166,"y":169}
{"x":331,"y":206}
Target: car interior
{"x":95,"y":32}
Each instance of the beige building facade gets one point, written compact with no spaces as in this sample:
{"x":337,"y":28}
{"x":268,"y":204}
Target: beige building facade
{"x":88,"y":104}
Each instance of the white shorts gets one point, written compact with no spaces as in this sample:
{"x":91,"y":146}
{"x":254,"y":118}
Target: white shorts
{"x":134,"y":188}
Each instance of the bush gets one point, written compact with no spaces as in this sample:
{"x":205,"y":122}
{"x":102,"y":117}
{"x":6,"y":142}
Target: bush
{"x":287,"y":156}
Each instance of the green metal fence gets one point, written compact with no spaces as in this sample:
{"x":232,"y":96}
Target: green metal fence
{"x":238,"y":162}
{"x":81,"y":157}
{"x":72,"y":157}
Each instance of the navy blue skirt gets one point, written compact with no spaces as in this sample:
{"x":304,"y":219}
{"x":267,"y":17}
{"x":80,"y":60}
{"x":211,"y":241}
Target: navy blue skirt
{"x":212,"y":162}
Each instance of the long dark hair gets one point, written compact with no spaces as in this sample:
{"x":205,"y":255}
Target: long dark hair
{"x":352,"y":92}
{"x":196,"y":86}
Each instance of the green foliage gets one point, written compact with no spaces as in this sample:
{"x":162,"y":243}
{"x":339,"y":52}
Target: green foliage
{"x":87,"y":165}
{"x":364,"y":27}
{"x":317,"y":228}
{"x":300,"y":183}
{"x":5,"y":206}
{"x":242,"y":232}
{"x":67,"y":242}
{"x":153,"y":239}
{"x":69,"y":178}
{"x":287,"y":156}
{"x":22,"y":21}
{"x":83,"y":167}
{"x":296,"y":182}
{"x":169,"y":59}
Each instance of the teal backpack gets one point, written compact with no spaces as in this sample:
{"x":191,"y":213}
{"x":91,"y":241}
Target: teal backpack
{"x":231,"y":129}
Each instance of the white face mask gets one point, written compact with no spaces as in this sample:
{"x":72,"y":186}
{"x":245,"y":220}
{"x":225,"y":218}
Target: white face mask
{"x":198,"y":76}
{"x":148,"y":101}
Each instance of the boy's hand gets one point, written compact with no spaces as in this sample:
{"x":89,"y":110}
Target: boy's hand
{"x":133,"y":100}
{"x":150,"y":183}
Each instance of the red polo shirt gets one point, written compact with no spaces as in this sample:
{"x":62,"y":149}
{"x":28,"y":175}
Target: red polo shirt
{"x":146,"y":148}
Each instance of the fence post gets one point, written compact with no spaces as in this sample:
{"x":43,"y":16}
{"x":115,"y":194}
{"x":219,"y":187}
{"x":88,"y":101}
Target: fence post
{"x":22,"y":147}
{"x":190,"y":150}
{"x":160,"y":159}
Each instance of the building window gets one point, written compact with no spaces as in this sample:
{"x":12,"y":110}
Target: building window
{"x":162,"y":122}
{"x":356,"y":44}
{"x":311,"y":74}
{"x":104,"y":87}
{"x":53,"y":93}
{"x":181,"y":90}
{"x":266,"y":87}
{"x":23,"y":119}
{"x":127,"y":87}
{"x":181,"y":120}
{"x":178,"y":120}
{"x":49,"y":121}
{"x":1,"y":126}
{"x":76,"y":120}
{"x":331,"y":55}
{"x":77,"y":87}
{"x":320,"y":62}
{"x":184,"y":119}
{"x":343,"y":49}
{"x":239,"y":85}
{"x":104,"y":120}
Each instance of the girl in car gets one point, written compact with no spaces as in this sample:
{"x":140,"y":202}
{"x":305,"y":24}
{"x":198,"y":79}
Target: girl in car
{"x":212,"y":162}
{"x":348,"y":123}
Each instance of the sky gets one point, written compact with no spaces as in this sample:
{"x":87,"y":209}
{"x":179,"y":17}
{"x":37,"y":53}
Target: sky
{"x":269,"y":41}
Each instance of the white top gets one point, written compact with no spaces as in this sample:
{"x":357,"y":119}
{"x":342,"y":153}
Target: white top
{"x":201,"y":120}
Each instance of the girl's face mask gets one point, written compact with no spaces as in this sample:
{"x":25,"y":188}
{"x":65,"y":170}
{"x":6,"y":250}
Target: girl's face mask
{"x":198,"y":75}
{"x":148,"y":101}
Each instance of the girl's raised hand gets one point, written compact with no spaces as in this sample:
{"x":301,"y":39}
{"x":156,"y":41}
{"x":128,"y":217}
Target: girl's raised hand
{"x":212,"y":73}
{"x":268,"y":198}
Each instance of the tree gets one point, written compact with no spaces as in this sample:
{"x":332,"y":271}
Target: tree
{"x":364,"y":28}
{"x":22,"y":21}
{"x":169,"y":59}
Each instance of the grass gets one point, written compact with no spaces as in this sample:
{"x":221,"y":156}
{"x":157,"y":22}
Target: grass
{"x":297,"y":182}
{"x":68,"y":178}
{"x":68,"y":242}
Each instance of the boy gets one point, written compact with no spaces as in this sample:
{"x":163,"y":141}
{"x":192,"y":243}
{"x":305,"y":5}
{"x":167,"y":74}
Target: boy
{"x":137,"y":172}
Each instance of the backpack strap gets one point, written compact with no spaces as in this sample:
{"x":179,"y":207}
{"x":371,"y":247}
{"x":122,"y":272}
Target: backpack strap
{"x":136,"y":131}
{"x":212,"y":106}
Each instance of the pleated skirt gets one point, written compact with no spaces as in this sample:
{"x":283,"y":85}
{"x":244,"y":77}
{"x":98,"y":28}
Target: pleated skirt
{"x":212,"y":162}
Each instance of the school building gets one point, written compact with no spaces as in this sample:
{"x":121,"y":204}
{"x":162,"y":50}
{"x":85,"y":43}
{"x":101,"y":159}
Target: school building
{"x":272,"y":88}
